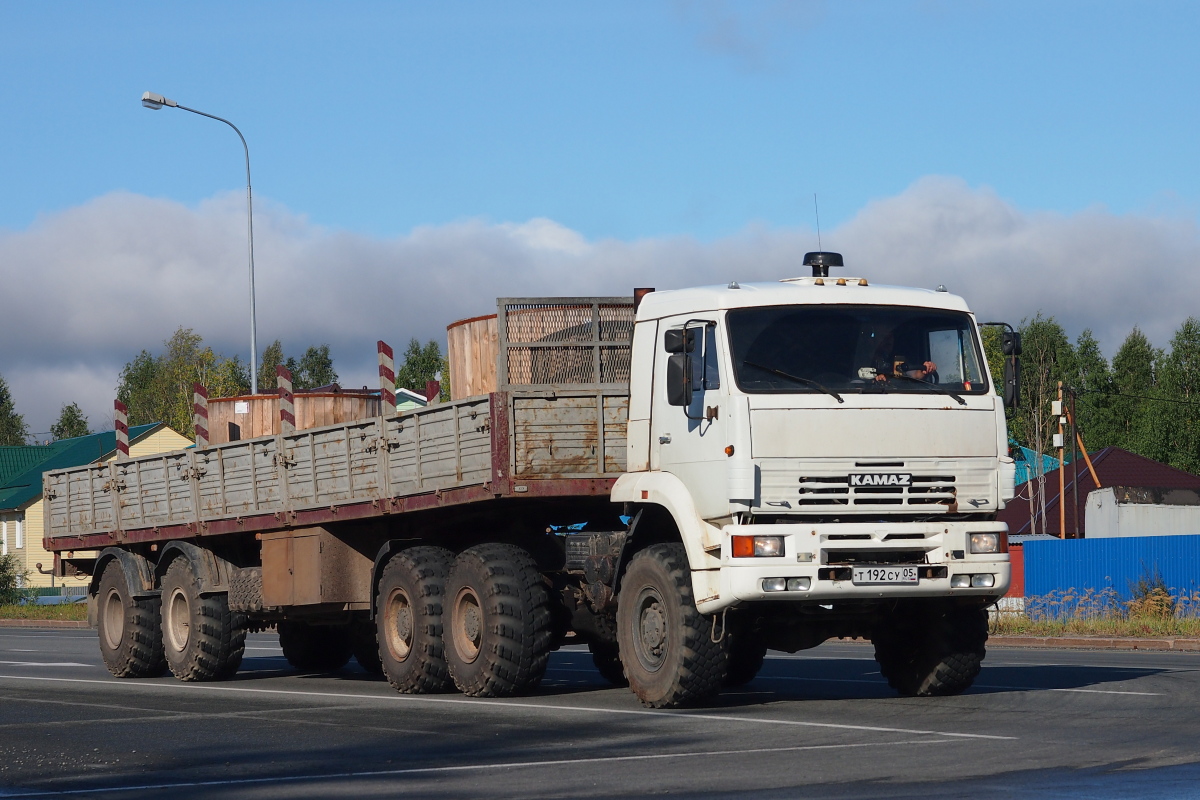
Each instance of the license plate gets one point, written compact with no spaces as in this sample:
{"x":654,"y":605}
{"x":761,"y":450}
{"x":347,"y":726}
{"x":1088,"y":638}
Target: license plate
{"x":878,"y":575}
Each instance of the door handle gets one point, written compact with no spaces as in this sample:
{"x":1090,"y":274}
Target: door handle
{"x":664,"y":439}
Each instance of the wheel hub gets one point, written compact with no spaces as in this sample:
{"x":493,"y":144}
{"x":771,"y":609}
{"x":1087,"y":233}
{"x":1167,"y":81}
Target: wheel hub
{"x":178,"y":620}
{"x":654,"y":629}
{"x":467,"y":624}
{"x":399,"y":618}
{"x":114,"y":619}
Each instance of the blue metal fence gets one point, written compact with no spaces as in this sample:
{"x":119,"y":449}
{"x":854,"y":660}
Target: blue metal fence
{"x":1058,"y":565}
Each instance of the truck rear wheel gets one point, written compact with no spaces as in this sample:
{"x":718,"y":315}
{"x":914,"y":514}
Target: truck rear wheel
{"x":365,"y":644}
{"x":607,"y":658}
{"x":666,"y":644}
{"x":746,"y":656}
{"x":315,"y":648}
{"x":130,"y":630}
{"x":932,"y":649}
{"x":202,"y":639}
{"x":498,"y":629}
{"x":408,"y":620}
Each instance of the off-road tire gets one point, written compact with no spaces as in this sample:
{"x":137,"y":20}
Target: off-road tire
{"x":666,"y":644}
{"x":202,"y":639}
{"x":746,"y":656}
{"x":130,"y":630}
{"x":365,"y":645}
{"x":498,"y":629}
{"x":408,"y":619}
{"x":315,"y":648}
{"x":607,"y":658}
{"x":932,"y":649}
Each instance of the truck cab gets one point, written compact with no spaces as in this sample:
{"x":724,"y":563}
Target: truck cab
{"x":826,"y":447}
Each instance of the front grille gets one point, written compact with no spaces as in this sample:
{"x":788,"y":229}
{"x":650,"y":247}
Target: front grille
{"x":875,"y":557}
{"x":926,"y":490}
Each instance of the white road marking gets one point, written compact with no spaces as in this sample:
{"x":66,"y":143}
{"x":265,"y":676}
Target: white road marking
{"x":1086,"y":691}
{"x":881,"y":683}
{"x":501,"y":765}
{"x":44,"y":664}
{"x":507,"y":704}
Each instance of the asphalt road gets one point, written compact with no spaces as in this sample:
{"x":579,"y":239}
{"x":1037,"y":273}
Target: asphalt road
{"x":822,"y":723}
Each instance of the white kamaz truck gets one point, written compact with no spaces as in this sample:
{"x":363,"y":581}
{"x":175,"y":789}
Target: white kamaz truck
{"x":681,"y":480}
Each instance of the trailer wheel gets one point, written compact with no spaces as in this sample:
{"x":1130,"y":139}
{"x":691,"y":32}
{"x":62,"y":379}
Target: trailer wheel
{"x":408,"y":620}
{"x":498,"y":629}
{"x":365,"y":645}
{"x":932,"y":649}
{"x":607,"y":658}
{"x":202,"y":639}
{"x":666,"y":644}
{"x":130,"y":630}
{"x":315,"y":648}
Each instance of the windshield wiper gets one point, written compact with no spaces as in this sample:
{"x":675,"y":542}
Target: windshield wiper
{"x":933,"y":387}
{"x":796,"y":378}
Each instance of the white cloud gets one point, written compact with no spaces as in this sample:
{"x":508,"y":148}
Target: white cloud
{"x":86,"y":289}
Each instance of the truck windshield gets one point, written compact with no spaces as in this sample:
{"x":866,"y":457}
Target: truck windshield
{"x":845,"y":348}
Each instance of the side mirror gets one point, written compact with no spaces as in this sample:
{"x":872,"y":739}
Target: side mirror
{"x":1012,"y":380}
{"x":679,"y":379}
{"x":1010,"y":343}
{"x":674,"y":340}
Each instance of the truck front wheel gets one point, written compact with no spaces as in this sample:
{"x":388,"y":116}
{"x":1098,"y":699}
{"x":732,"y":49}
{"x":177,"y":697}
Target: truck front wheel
{"x":408,"y":620}
{"x":929,"y":649}
{"x":665,"y":643}
{"x":202,"y":639}
{"x":498,"y":628}
{"x":130,"y":630}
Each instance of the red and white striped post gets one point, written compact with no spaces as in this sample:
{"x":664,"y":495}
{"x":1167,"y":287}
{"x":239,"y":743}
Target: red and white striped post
{"x":200,"y":414}
{"x":121,"y":426}
{"x":287,"y":402}
{"x":387,"y":379}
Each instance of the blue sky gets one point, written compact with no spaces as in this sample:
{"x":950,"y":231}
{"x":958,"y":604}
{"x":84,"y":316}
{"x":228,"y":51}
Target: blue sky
{"x":617,"y":119}
{"x":412,"y":161}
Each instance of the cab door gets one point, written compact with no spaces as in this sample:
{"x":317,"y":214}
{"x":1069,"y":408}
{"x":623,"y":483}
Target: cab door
{"x":689,"y":441}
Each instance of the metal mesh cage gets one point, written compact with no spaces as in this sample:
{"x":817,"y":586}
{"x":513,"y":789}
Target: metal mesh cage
{"x":574,"y":341}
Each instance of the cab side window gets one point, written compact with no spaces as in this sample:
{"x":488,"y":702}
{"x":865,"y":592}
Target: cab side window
{"x":705,"y":373}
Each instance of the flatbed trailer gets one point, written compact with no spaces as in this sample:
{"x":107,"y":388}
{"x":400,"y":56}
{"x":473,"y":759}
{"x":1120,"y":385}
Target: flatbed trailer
{"x":507,"y":446}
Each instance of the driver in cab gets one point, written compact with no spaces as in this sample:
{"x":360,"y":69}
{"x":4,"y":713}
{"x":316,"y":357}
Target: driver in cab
{"x":890,"y":364}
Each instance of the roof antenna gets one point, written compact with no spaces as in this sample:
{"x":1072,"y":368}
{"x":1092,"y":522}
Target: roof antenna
{"x":817,"y":211}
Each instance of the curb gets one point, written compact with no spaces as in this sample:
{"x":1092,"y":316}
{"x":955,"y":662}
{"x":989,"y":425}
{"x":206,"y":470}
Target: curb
{"x":43,"y":623}
{"x":1096,"y":643}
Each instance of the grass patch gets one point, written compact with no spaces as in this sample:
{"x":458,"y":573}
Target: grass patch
{"x":1016,"y":624}
{"x":1153,"y":610}
{"x":70,"y":611}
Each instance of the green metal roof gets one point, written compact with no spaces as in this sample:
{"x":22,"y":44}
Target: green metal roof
{"x":16,"y":460}
{"x":18,"y":488}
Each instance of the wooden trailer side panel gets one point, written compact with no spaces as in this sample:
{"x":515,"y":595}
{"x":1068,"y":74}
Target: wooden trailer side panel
{"x":261,"y":484}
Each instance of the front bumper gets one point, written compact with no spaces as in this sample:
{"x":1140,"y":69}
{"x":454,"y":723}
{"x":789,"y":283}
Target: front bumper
{"x":810,"y":550}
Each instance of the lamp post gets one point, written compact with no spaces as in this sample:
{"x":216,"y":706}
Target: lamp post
{"x":156,"y":101}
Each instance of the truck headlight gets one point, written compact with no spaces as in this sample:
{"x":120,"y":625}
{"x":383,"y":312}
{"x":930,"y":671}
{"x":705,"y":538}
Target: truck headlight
{"x":760,"y":546}
{"x":989,"y":543}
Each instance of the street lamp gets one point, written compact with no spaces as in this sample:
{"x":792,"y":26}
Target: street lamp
{"x":156,"y":101}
